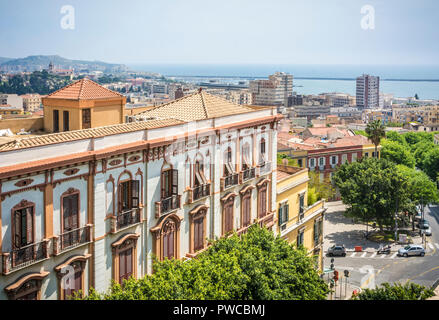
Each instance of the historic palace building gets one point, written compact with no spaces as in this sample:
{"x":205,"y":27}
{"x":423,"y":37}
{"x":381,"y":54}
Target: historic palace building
{"x":81,"y":208}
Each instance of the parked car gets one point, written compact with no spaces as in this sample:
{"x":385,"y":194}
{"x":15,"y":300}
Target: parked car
{"x":423,"y":224}
{"x":337,"y":251}
{"x":425,"y":229}
{"x":412,"y":250}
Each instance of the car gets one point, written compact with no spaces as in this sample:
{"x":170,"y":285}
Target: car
{"x":412,"y":250}
{"x":337,"y":251}
{"x":422,"y":224}
{"x":425,"y":229}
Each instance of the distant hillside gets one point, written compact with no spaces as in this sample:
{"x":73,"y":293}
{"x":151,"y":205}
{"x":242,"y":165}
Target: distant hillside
{"x":3,"y":60}
{"x":38,"y":63}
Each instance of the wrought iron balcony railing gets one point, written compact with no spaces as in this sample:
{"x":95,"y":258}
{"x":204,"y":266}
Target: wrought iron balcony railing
{"x":199,"y":192}
{"x":167,"y":205}
{"x":128,"y":218}
{"x":72,"y":239}
{"x":229,"y":181}
{"x":25,"y":256}
{"x":247,"y":174}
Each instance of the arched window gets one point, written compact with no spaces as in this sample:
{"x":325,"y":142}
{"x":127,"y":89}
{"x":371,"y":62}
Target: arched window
{"x":228,"y":212}
{"x":197,"y":228}
{"x":70,"y":218}
{"x":246,"y":194}
{"x":262,"y":199}
{"x":199,"y":177}
{"x":129,"y":197}
{"x":228,"y":165}
{"x":27,"y":288}
{"x":71,"y":276}
{"x":125,"y":257}
{"x":262,"y":151}
{"x":169,"y":239}
{"x":246,"y":163}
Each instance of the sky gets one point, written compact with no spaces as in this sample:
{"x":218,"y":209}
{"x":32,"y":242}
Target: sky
{"x":224,"y":31}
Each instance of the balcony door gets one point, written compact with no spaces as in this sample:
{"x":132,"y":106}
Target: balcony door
{"x":169,"y":240}
{"x":70,"y":212}
{"x":169,"y":183}
{"x":125,"y":265}
{"x":23,"y":225}
{"x":129,"y":195}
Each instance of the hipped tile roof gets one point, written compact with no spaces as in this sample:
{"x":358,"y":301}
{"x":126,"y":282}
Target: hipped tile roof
{"x":84,"y":89}
{"x":197,"y":106}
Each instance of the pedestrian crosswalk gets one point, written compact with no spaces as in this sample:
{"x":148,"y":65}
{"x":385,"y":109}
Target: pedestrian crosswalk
{"x":429,"y":248}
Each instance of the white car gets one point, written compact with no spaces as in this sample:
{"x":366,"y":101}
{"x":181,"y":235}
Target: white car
{"x":412,"y":250}
{"x":425,"y":229}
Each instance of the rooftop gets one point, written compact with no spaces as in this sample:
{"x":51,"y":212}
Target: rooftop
{"x":46,"y":139}
{"x":84,"y":89}
{"x":196,"y":106}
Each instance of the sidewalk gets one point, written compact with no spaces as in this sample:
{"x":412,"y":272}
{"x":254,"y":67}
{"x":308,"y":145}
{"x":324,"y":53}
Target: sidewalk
{"x":346,"y":291}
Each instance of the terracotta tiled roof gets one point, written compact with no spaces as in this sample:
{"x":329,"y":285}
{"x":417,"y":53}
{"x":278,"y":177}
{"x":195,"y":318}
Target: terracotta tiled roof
{"x":46,"y":139}
{"x":84,"y":89}
{"x":197,"y":106}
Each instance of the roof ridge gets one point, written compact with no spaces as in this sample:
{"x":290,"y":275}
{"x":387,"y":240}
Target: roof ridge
{"x":167,"y":103}
{"x":203,"y":103}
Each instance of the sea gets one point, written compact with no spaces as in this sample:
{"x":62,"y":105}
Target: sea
{"x":400,"y":80}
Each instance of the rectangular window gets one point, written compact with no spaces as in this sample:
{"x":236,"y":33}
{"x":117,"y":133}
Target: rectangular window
{"x":125,"y":265}
{"x":55,"y":121}
{"x":262,"y":202}
{"x":169,"y":183}
{"x":301,"y":206}
{"x":228,"y":216}
{"x":300,"y":238}
{"x":66,"y":120}
{"x":246,"y":213}
{"x":199,"y":234}
{"x":129,"y":195}
{"x":284,"y":212}
{"x":312,"y":162}
{"x":23,"y":219}
{"x":321,"y":161}
{"x":70,"y":213}
{"x":86,"y":118}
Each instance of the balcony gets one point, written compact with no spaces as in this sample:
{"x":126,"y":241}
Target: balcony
{"x":264,"y":168}
{"x":72,"y":239}
{"x":167,"y":205}
{"x":199,"y":192}
{"x":247,"y":174}
{"x":25,"y":256}
{"x":229,"y":181}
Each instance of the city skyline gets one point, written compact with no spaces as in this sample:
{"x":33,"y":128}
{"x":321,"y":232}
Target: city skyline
{"x":195,"y":32}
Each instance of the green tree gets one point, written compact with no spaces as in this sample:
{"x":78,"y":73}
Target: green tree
{"x":375,"y":131}
{"x":396,"y":137}
{"x":420,"y":150}
{"x":257,"y":266}
{"x":373,"y":189}
{"x":414,"y":137}
{"x":397,"y":153}
{"x":323,"y":189}
{"x":396,"y":291}
{"x":421,"y":190}
{"x":431,"y":163}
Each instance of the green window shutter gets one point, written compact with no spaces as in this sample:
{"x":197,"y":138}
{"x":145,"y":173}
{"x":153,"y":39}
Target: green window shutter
{"x":280,"y":216}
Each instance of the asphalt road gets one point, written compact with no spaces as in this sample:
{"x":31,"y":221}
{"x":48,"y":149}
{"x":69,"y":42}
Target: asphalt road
{"x":368,"y":269}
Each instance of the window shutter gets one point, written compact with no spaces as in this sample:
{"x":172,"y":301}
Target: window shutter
{"x":17,"y":227}
{"x":74,"y":211}
{"x":287,"y":212}
{"x":129,"y":263}
{"x":280,"y":216}
{"x":174,"y":182}
{"x":135,"y":193}
{"x":119,"y":198}
{"x":29,"y":226}
{"x":122,"y":266}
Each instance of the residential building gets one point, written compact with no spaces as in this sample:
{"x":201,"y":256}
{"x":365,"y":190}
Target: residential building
{"x":368,"y":92}
{"x":13,"y":100}
{"x":31,"y":102}
{"x":82,"y":208}
{"x":272,"y":92}
{"x":310,"y":111}
{"x":299,"y":223}
{"x":83,"y":104}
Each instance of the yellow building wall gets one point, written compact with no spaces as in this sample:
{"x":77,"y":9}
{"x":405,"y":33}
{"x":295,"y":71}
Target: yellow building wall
{"x":105,"y":116}
{"x":369,"y":149}
{"x":292,"y":196}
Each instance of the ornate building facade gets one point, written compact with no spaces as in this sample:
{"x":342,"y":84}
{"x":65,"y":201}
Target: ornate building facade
{"x":81,"y":208}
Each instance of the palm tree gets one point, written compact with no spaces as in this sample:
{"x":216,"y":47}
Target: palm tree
{"x":375,"y":132}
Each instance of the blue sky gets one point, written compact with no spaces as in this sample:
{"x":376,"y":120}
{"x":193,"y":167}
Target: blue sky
{"x":224,"y":31}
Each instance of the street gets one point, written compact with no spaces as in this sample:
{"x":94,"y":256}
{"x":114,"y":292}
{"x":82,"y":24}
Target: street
{"x":367,"y":268}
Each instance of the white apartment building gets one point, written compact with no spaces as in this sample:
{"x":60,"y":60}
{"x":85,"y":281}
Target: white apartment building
{"x":274,"y":91}
{"x":79,"y":209}
{"x":13,"y":100}
{"x":368,"y":91}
